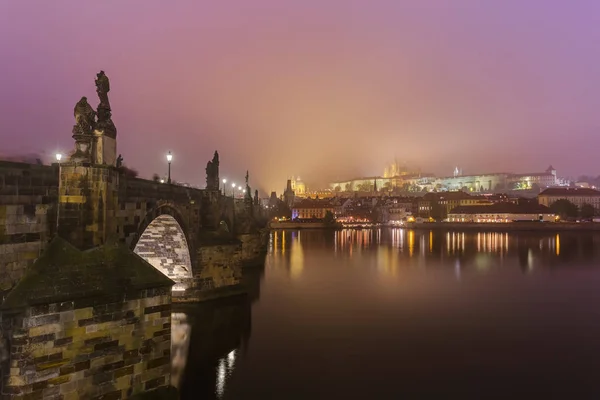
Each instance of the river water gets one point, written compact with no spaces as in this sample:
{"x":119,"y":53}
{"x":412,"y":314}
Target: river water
{"x":395,"y":313}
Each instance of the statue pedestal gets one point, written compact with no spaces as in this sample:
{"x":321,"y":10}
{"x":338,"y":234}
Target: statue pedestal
{"x":105,"y":149}
{"x":82,"y":148}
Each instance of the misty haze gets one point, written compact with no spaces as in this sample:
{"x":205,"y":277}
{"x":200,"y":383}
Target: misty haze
{"x":332,"y":199}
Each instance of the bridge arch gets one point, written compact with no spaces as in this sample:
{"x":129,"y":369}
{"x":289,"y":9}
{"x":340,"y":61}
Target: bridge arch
{"x":163,"y":241}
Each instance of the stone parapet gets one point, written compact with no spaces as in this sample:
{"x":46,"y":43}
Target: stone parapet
{"x":28,"y":194}
{"x":22,"y":183}
{"x":24,"y":232}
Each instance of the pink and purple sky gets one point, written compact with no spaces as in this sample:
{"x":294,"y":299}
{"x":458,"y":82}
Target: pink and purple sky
{"x":322,"y":88}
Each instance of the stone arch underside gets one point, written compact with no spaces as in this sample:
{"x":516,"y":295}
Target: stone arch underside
{"x":163,"y":244}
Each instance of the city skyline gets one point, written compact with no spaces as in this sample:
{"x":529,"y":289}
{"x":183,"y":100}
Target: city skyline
{"x":316,"y":89}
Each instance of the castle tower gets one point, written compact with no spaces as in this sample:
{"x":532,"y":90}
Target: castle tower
{"x":288,"y":194}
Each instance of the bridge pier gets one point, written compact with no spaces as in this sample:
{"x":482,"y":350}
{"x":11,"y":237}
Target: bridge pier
{"x":86,"y":325}
{"x":254,"y":247}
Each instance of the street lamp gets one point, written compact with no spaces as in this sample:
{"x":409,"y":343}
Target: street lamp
{"x":169,"y":159}
{"x":224,"y":182}
{"x":58,"y":158}
{"x":239,"y":188}
{"x":233,"y":189}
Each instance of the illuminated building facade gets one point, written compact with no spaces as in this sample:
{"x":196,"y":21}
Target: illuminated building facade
{"x":312,"y":209}
{"x":298,"y":186}
{"x":395,"y":169}
{"x":501,"y":213}
{"x":577,"y":196}
{"x":438,"y":205}
{"x":396,"y":178}
{"x":528,"y":181}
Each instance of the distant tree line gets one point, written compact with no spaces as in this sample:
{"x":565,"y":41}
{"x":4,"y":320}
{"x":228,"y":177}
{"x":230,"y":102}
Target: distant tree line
{"x":567,"y":210}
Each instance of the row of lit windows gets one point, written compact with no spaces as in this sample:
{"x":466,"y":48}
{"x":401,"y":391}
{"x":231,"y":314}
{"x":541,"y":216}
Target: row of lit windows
{"x":575,"y":200}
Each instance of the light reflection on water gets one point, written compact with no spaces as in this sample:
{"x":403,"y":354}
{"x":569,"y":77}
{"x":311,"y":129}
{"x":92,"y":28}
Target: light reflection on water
{"x":180,"y":342}
{"x":208,"y":338}
{"x":226,"y":365}
{"x":343,"y":304}
{"x":469,"y":247}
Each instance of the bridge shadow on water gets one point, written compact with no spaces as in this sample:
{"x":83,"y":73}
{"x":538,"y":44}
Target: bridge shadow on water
{"x":208,"y":338}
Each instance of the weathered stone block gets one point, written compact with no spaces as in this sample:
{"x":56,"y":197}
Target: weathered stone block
{"x":45,"y":329}
{"x":84,"y":313}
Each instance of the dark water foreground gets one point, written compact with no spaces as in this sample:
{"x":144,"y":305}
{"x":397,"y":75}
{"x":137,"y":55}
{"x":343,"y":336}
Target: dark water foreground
{"x":402,"y":314}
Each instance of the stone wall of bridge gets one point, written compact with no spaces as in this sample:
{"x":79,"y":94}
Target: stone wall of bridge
{"x":141,"y":201}
{"x":98,"y":205}
{"x":28,"y":194}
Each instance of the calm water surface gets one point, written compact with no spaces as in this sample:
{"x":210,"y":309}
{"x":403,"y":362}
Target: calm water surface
{"x":402,"y":314}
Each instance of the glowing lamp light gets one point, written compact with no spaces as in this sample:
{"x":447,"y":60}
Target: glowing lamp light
{"x":169,"y":157}
{"x":58,"y":157}
{"x":233,"y":185}
{"x":224,"y":181}
{"x":239,"y":188}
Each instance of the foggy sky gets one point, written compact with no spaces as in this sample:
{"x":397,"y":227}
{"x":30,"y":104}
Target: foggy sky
{"x":321,"y":88}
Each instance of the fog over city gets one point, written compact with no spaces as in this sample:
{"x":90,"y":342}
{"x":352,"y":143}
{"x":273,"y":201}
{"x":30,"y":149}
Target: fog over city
{"x":322,"y":89}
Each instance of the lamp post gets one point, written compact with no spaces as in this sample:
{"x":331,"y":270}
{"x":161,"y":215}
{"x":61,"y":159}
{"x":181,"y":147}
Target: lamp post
{"x":58,"y":158}
{"x":169,"y":159}
{"x":239,"y":188}
{"x":224,"y":182}
{"x":233,"y":190}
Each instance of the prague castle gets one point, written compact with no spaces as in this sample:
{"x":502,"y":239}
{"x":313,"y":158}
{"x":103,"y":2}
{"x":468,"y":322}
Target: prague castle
{"x":401,"y":178}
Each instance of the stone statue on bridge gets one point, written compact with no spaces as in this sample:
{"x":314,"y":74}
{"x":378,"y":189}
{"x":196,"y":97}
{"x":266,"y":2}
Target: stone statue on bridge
{"x":105,"y":123}
{"x":85,"y":118}
{"x":102,"y":87}
{"x":248,"y":196}
{"x":212,"y":173}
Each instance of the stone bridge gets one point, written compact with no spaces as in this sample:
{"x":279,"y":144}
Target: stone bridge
{"x":91,"y":260}
{"x":197,"y":237}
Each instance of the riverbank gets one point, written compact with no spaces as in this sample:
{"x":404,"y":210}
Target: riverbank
{"x":302,"y":225}
{"x":460,"y":226}
{"x":507,"y":227}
